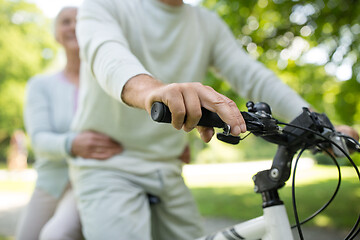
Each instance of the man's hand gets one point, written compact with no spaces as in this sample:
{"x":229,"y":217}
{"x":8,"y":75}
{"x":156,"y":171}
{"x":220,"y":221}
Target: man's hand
{"x":95,"y":145}
{"x":347,"y":130}
{"x":184,"y":99}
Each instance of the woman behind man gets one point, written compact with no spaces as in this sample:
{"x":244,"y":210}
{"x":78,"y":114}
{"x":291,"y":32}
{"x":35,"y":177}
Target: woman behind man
{"x":50,"y":107}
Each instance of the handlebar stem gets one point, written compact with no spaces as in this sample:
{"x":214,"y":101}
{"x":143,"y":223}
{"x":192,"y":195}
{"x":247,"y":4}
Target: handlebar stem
{"x":275,"y":177}
{"x":290,"y":141}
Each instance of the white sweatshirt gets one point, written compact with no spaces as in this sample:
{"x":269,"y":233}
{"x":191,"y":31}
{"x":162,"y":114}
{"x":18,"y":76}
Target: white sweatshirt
{"x":120,"y":39}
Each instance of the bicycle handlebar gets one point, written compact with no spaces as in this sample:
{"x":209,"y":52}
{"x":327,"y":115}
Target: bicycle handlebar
{"x":259,"y":121}
{"x":161,"y":113}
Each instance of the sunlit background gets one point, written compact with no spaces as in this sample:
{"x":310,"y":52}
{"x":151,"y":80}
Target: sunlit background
{"x":317,"y":55}
{"x":51,"y":8}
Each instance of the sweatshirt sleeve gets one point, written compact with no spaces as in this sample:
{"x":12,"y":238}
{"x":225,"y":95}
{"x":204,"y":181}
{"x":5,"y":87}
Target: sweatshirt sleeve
{"x":104,"y":48}
{"x":250,"y":78}
{"x":45,"y":142}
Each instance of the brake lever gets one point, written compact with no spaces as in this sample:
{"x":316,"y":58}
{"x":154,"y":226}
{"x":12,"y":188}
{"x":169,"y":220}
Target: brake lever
{"x":353,"y":145}
{"x":256,"y":123}
{"x":340,"y":141}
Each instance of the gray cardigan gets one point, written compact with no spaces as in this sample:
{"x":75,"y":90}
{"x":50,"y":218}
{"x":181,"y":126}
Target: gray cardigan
{"x":49,"y":109}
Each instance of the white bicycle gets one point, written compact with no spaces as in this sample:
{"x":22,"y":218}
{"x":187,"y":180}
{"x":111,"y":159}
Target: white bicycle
{"x":309,"y":130}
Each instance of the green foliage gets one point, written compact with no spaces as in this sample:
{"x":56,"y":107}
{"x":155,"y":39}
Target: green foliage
{"x":286,"y":36}
{"x":217,"y":83}
{"x":279,"y":33}
{"x":326,"y":160}
{"x":27,"y":47}
{"x":247,"y":149}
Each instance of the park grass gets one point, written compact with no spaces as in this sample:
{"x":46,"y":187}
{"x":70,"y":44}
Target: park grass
{"x":3,"y":166}
{"x":240,"y":203}
{"x":11,"y":185}
{"x":236,"y":199}
{"x":6,"y":238}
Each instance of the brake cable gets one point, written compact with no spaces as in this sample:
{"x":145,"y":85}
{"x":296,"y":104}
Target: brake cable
{"x":353,"y":233}
{"x":327,"y":203}
{"x":298,"y":224}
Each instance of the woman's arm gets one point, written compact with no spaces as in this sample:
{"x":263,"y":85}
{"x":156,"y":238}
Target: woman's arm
{"x":45,"y":141}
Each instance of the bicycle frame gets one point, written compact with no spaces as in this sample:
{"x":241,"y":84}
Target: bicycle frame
{"x":273,"y":225}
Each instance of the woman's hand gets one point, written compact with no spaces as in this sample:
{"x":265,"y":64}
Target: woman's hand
{"x":95,"y":145}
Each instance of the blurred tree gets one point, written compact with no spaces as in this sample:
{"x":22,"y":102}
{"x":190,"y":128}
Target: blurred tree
{"x":311,"y":45}
{"x":26,"y":47}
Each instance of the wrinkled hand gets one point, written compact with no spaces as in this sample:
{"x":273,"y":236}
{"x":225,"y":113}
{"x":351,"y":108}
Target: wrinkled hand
{"x":347,"y":130}
{"x":188,"y":98}
{"x":95,"y":145}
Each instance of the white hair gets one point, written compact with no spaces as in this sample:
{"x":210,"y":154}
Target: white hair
{"x":57,"y":16}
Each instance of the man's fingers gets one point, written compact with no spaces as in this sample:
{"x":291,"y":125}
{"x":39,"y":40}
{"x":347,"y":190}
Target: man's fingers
{"x":178,"y":112}
{"x":206,"y":133}
{"x":188,"y":98}
{"x":193,"y":109}
{"x":225,"y":108}
{"x":172,"y":97}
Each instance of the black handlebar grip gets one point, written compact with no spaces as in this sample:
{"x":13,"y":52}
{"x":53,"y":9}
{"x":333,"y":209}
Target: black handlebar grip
{"x":161,"y":113}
